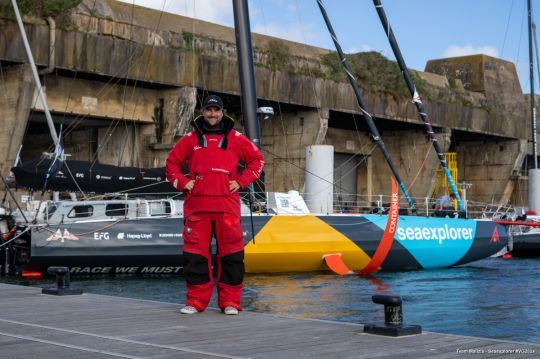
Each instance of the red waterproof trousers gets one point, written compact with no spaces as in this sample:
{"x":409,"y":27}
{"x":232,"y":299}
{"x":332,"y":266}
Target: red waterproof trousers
{"x":198,"y":231}
{"x":211,"y":209}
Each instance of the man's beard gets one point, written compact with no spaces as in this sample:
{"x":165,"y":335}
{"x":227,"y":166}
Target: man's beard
{"x":217,"y":128}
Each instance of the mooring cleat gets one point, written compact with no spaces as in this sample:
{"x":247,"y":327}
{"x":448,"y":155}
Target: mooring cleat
{"x":188,"y":309}
{"x":62,"y":283}
{"x":393,"y":319}
{"x":230,"y":311}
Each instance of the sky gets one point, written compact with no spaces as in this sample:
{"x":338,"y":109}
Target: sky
{"x":425,"y":29}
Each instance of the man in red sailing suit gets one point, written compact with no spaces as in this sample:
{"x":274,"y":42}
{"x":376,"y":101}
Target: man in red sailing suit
{"x":212,"y":204}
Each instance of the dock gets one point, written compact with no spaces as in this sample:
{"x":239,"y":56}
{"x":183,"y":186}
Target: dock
{"x":97,"y":326}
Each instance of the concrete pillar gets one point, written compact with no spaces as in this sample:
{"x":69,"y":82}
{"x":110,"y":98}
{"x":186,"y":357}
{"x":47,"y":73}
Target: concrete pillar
{"x":16,"y":94}
{"x":285,"y":137}
{"x":534,"y":190}
{"x":178,"y":109}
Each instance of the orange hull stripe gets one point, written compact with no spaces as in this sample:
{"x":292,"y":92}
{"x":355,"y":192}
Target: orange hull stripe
{"x":388,"y":235}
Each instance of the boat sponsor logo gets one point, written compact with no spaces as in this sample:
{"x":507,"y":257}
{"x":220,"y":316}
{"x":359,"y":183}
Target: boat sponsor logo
{"x":100,"y":177}
{"x":169,"y":235}
{"x":62,"y":236}
{"x":79,"y":175}
{"x":152,"y":178}
{"x":434,"y":242}
{"x":124,"y":178}
{"x":438,"y":234}
{"x":99,"y":236}
{"x":196,"y":148}
{"x":126,"y":270}
{"x":124,"y":235}
{"x":388,"y":236}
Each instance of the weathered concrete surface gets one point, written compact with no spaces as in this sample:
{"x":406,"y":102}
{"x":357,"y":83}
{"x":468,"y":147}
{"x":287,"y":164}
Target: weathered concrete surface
{"x":110,"y":44}
{"x":94,"y":99}
{"x":284,"y":141}
{"x":489,"y":166}
{"x":140,"y":59}
{"x":411,"y":153}
{"x":16,"y":94}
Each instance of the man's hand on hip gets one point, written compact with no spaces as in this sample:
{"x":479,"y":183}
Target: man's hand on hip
{"x":233,"y":186}
{"x":189,"y":185}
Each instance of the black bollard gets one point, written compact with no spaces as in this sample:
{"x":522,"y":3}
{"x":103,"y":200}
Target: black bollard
{"x":62,"y":283}
{"x":393,"y":318}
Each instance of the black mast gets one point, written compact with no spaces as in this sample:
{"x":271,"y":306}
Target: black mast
{"x":367,"y":116}
{"x":416,"y":99}
{"x":531,"y":80}
{"x":246,"y":71}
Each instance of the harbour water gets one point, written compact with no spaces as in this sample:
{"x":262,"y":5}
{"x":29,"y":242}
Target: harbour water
{"x":492,"y":298}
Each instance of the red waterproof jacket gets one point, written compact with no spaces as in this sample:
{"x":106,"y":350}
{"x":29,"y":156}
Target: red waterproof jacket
{"x":213,"y":161}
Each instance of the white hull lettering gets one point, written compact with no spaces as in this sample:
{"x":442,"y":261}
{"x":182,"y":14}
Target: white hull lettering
{"x":439,"y":234}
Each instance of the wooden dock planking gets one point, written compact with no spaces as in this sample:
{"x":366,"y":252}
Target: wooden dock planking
{"x":97,"y":326}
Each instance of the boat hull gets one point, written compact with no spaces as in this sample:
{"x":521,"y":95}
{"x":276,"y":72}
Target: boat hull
{"x":282,"y":243}
{"x":526,"y":245}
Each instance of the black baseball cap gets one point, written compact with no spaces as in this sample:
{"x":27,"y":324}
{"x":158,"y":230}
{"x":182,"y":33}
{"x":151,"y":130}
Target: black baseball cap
{"x":213,"y":101}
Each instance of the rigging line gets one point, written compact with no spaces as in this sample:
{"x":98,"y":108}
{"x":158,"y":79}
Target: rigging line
{"x":107,"y":87}
{"x":521,"y":30}
{"x":74,"y":180}
{"x":416,"y":99}
{"x":114,"y":124}
{"x":51,"y":147}
{"x":79,"y":60}
{"x":17,"y":236}
{"x":317,"y":95}
{"x":192,"y":46}
{"x":134,"y":88}
{"x":276,"y":156}
{"x":365,"y":134}
{"x":360,"y":102}
{"x":283,"y":127}
{"x":420,"y":169}
{"x":310,"y":70}
{"x":72,"y":126}
{"x":66,"y":132}
{"x":124,"y":92}
{"x":506,"y":30}
{"x":535,"y":43}
{"x":33,"y":106}
{"x":354,"y":168}
{"x":113,"y":80}
{"x":362,"y":160}
{"x":5,"y":92}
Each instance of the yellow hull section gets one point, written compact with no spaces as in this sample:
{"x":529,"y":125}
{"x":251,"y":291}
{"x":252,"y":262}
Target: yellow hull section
{"x":297,"y":244}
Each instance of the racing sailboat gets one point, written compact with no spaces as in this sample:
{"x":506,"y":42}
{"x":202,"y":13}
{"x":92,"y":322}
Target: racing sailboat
{"x":123,"y":235}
